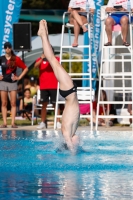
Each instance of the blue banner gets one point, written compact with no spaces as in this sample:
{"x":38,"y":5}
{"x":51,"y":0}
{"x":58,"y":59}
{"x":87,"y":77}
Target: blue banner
{"x":10,"y":11}
{"x":95,"y":42}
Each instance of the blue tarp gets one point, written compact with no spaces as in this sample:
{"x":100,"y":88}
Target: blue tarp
{"x":10,"y":11}
{"x":95,"y":41}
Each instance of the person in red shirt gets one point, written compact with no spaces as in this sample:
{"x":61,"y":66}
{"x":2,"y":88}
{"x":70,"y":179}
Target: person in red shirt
{"x":8,"y":81}
{"x":48,"y":87}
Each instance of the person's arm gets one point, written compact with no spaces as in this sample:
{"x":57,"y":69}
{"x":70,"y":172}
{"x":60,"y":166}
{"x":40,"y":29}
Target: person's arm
{"x":21,"y":105}
{"x":1,"y":76}
{"x":20,"y":64}
{"x":39,"y":61}
{"x":21,"y":75}
{"x":110,"y":6}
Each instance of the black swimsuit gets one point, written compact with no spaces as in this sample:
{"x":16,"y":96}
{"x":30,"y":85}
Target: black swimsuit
{"x":65,"y":93}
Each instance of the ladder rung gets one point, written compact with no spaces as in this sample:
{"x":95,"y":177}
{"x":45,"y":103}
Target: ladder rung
{"x":115,"y":116}
{"x":80,"y":78}
{"x":85,"y":116}
{"x":85,"y":88}
{"x":116,"y":60}
{"x":78,"y":74}
{"x":75,"y":60}
{"x":80,"y":46}
{"x":116,"y":88}
{"x":117,"y":74}
{"x":81,"y":116}
{"x":122,"y":91}
{"x":111,"y":78}
{"x":120,"y":54}
{"x":84,"y":102}
{"x":80,"y":101}
{"x":115,"y":102}
{"x":116,"y":47}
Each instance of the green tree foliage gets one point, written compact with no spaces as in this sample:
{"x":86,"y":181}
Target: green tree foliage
{"x":45,"y":4}
{"x":76,"y":67}
{"x":105,"y":2}
{"x":33,"y":72}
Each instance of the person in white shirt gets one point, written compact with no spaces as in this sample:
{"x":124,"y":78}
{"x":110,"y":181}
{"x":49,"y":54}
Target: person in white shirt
{"x":116,"y":18}
{"x":78,"y":18}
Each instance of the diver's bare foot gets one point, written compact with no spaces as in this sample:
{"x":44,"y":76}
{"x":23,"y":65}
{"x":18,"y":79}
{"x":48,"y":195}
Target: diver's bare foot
{"x":46,"y":27}
{"x":42,"y":28}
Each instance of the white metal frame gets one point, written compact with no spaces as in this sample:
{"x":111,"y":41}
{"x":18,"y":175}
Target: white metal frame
{"x":115,"y":76}
{"x":89,"y":92}
{"x":37,"y":106}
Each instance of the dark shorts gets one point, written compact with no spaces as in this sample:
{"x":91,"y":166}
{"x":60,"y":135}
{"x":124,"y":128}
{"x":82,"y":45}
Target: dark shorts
{"x":83,"y":14}
{"x":117,"y":17}
{"x":65,"y":93}
{"x":48,"y":95}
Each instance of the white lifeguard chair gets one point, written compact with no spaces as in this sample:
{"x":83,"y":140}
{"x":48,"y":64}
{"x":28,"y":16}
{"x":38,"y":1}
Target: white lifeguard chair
{"x":116,"y":59}
{"x":81,"y":91}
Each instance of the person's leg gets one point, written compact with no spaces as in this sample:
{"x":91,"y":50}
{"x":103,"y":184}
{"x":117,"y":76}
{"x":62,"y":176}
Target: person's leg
{"x":130,"y":120}
{"x":71,"y":111}
{"x":76,"y":30}
{"x":67,"y":128}
{"x":43,"y":123}
{"x":124,"y":27}
{"x":13,"y":96}
{"x":70,"y":120}
{"x":62,"y":76}
{"x":109,"y":23}
{"x":79,"y":20}
{"x":76,"y":33}
{"x":43,"y":111}
{"x":4,"y":95}
{"x":53,"y":94}
{"x":44,"y":96}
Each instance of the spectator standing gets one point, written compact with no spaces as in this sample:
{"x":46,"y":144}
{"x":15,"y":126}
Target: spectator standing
{"x":8,"y":81}
{"x":48,"y":87}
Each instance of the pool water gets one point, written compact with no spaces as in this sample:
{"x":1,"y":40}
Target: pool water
{"x":33,"y":165}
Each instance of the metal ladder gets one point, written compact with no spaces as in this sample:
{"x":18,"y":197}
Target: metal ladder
{"x":85,"y":92}
{"x":106,"y":78}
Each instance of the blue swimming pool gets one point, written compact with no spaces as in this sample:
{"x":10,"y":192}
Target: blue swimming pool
{"x":34,"y":166}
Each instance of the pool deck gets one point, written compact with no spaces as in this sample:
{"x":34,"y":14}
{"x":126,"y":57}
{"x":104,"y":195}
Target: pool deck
{"x":113,"y":128}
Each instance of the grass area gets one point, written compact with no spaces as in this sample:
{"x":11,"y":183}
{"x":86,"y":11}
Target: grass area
{"x":26,"y":122}
{"x":50,"y":118}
